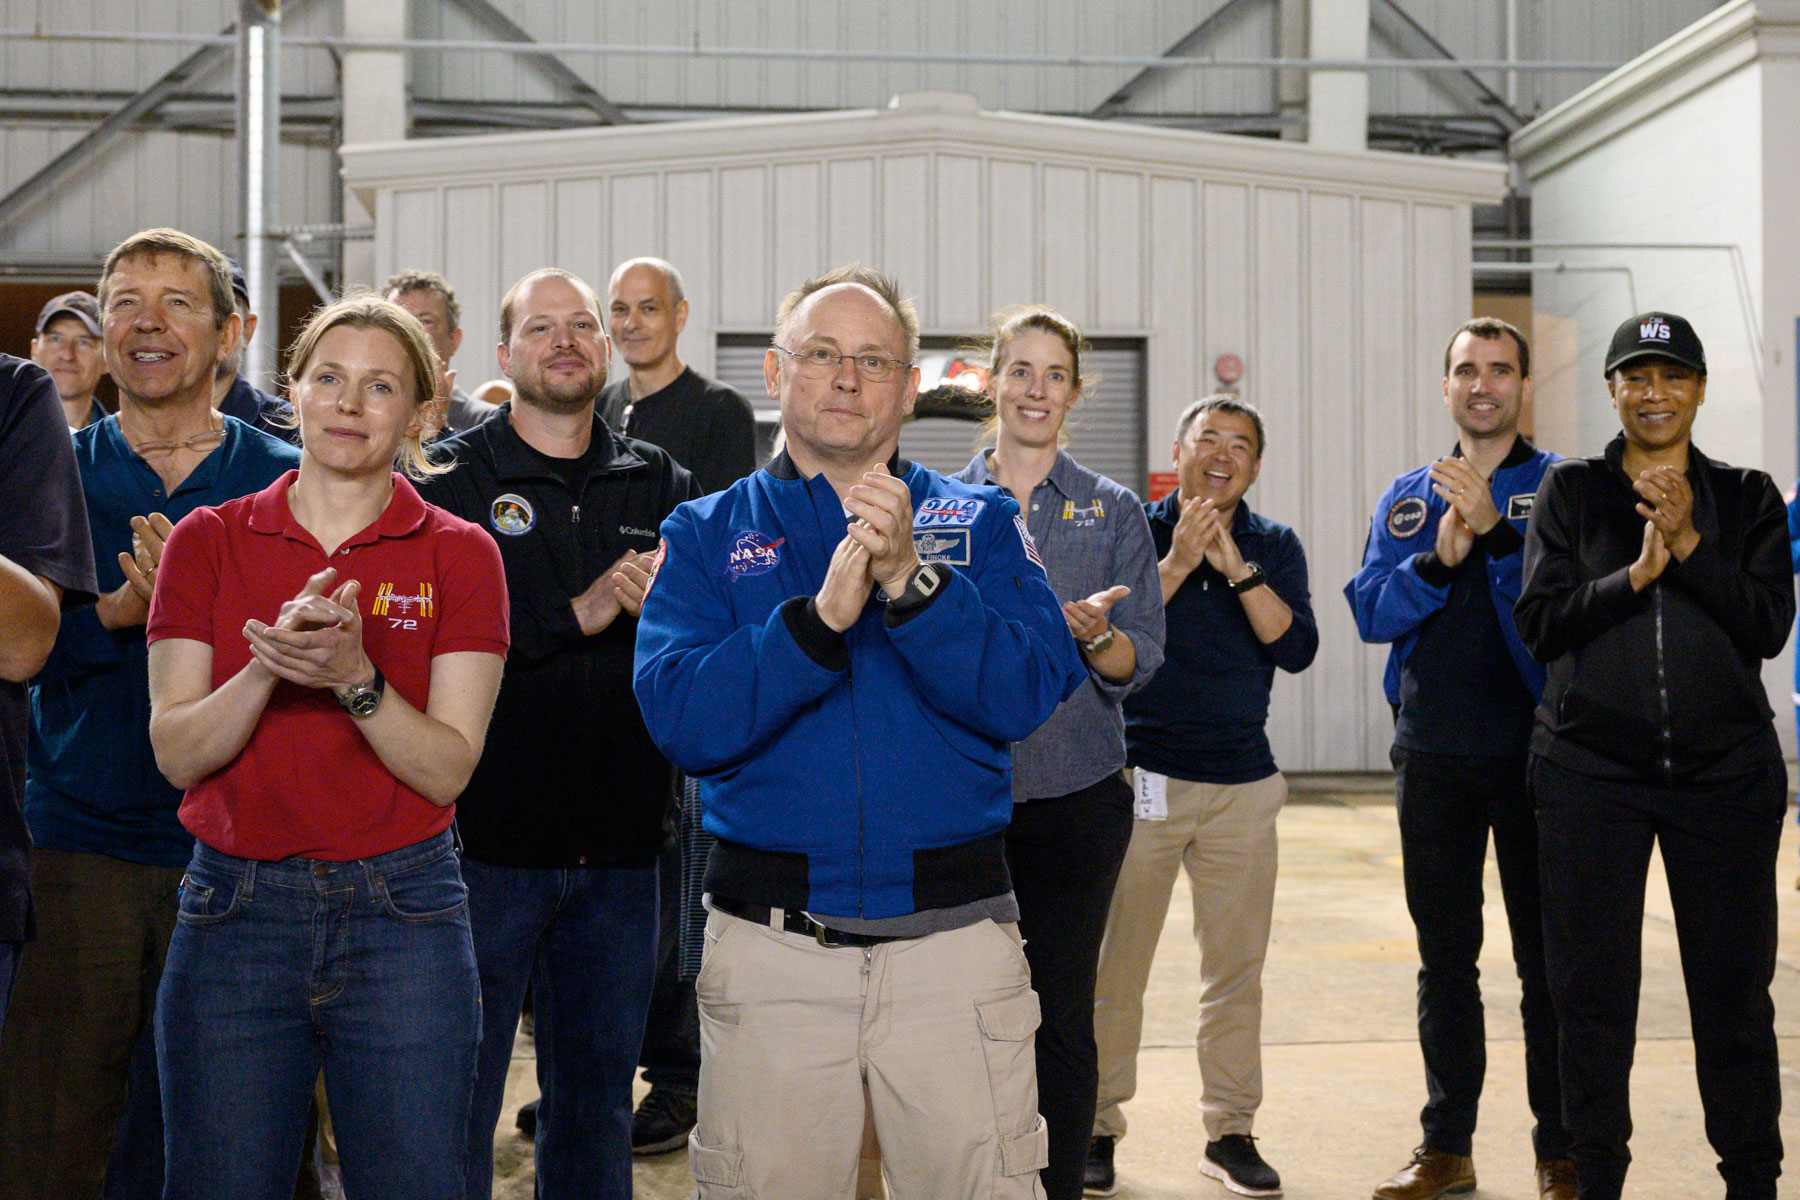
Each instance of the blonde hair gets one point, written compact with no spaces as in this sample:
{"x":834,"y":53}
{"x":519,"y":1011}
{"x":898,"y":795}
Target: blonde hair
{"x":366,"y":310}
{"x":1004,"y":328}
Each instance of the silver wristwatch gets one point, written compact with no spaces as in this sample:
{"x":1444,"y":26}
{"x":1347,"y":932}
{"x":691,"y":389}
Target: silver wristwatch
{"x":362,"y":699}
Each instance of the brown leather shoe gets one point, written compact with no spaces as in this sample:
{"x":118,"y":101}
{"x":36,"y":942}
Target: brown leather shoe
{"x":1429,"y":1175}
{"x":1556,"y":1179}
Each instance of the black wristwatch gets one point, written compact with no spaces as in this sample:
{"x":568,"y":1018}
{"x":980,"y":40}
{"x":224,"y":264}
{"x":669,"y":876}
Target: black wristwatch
{"x":362,"y":699}
{"x":921,"y":586}
{"x":1254,"y":579}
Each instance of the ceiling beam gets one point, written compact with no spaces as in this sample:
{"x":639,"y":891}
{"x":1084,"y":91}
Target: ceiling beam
{"x":1115,"y":104}
{"x":1413,"y":40}
{"x":503,"y":26}
{"x":172,"y":83}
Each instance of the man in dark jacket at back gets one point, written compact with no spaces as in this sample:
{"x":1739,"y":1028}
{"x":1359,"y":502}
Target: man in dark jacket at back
{"x":564,"y":818}
{"x":1655,"y":582}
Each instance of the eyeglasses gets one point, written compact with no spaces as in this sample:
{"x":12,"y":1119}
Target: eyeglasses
{"x":206,"y":439}
{"x":819,"y":362}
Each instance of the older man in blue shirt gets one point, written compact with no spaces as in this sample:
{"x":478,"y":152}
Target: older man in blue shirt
{"x":108,"y":850}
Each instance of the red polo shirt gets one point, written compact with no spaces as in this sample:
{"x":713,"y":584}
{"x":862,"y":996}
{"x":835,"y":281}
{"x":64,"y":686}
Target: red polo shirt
{"x":307,"y":783}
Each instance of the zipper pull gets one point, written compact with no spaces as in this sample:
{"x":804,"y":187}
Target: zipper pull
{"x":575,"y":513}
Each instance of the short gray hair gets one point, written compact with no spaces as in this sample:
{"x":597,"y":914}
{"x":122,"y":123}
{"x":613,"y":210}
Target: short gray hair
{"x":885,"y":287}
{"x":677,"y":290}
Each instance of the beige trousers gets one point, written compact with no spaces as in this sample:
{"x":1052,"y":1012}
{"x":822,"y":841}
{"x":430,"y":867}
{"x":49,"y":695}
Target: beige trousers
{"x":939,"y":1028}
{"x":1224,"y":834}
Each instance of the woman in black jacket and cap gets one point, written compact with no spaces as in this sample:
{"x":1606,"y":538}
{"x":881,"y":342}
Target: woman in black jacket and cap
{"x":1656,"y":581}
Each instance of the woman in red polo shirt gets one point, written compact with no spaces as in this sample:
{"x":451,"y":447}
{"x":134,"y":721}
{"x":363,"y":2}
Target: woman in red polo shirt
{"x":324,"y":657}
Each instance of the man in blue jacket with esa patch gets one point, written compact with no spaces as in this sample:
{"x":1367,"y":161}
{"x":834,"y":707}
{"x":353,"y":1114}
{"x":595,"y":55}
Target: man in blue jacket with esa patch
{"x":1439,"y":580}
{"x":840,"y":647}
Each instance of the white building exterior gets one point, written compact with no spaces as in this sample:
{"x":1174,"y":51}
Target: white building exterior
{"x":1695,"y":143}
{"x":1335,"y":277}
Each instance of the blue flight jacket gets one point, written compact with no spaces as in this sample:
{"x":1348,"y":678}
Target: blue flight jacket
{"x":864,"y":775}
{"x":1389,"y":597}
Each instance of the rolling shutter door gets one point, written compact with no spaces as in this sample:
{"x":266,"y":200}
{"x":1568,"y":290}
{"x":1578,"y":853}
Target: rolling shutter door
{"x":1106,"y":430}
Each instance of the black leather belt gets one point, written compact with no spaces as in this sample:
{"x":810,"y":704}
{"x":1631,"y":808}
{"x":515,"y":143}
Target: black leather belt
{"x":795,"y":921}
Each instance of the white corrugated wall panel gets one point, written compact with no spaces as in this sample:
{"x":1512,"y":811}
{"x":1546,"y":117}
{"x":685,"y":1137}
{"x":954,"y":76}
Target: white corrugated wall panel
{"x":743,"y":215}
{"x":581,"y":229}
{"x":959,"y":285}
{"x":1068,"y":242}
{"x":1270,"y":276}
{"x":1333,"y":501}
{"x":689,"y":242}
{"x":1173,"y":281}
{"x":798,"y":233}
{"x":1012,"y":216}
{"x":905,"y":250}
{"x":1119,"y":250}
{"x":850,"y":217}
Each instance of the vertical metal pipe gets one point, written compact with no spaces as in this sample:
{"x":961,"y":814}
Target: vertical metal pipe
{"x":1512,"y":53}
{"x":259,"y":174}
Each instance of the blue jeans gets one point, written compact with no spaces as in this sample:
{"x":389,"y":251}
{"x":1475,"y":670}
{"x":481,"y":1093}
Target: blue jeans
{"x":278,"y":969}
{"x":9,"y":963}
{"x":585,"y":938}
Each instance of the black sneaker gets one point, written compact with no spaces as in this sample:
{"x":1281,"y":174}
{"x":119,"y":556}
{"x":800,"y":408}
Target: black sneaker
{"x":527,"y":1120}
{"x":662,"y":1121}
{"x":1234,"y":1162}
{"x":1097,"y":1179}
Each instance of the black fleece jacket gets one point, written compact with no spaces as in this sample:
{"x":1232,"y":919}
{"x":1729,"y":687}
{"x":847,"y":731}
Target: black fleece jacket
{"x":569,"y":776}
{"x":1662,"y":686}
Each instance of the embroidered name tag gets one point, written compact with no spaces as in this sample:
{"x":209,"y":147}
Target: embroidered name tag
{"x":950,"y":546}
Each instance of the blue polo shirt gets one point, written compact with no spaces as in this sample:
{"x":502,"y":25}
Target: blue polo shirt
{"x":91,"y":781}
{"x":1201,"y":718}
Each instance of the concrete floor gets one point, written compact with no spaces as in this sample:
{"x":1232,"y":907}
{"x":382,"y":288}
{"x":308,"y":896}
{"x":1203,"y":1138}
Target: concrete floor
{"x":1342,"y":1077}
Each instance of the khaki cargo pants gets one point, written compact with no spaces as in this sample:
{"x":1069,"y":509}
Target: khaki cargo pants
{"x":940,"y":1028}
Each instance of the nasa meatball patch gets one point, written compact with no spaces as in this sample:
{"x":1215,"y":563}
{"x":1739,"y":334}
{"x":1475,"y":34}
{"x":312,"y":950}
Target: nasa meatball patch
{"x":753,"y":553}
{"x":1407,"y":517}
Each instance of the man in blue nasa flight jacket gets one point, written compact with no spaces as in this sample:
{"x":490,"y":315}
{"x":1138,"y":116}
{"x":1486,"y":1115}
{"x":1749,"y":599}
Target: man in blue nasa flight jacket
{"x":840,"y":647}
{"x":1439,"y":580}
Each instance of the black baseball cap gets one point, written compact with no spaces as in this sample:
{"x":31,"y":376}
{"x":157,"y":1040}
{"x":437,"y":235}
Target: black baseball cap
{"x":239,"y":286}
{"x":1656,"y":335}
{"x":80,"y":305}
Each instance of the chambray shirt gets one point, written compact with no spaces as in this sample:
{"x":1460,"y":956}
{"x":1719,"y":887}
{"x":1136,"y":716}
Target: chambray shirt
{"x":1092,"y":534}
{"x":91,"y":782}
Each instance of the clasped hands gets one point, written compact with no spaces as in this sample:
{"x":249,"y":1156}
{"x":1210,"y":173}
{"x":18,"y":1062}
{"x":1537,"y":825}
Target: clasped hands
{"x":1667,"y":506}
{"x":316,"y":640}
{"x":1471,"y":513}
{"x":1202,"y":533}
{"x":618,"y":589}
{"x":877,"y":549}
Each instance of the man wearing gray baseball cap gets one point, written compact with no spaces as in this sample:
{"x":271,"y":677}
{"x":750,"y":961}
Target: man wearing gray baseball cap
{"x":1656,"y":580}
{"x":67,"y":344}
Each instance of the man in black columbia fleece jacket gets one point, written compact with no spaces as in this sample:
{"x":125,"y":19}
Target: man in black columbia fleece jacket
{"x":1656,"y":581}
{"x":564,"y":818}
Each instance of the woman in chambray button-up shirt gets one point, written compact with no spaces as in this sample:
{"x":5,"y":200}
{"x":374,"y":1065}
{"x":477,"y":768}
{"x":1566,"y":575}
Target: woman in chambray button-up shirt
{"x":1072,"y":812}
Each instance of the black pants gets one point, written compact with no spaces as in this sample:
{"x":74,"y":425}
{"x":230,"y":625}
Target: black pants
{"x":1446,"y":805}
{"x":1064,"y":854}
{"x":671,"y":1053}
{"x":1719,"y":845}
